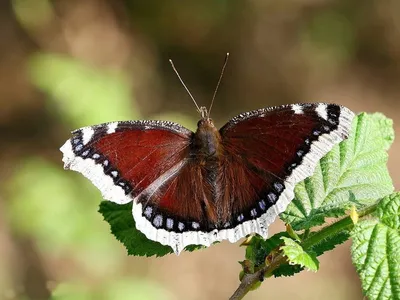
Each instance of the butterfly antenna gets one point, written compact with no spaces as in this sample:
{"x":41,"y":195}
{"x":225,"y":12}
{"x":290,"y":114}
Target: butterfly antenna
{"x":219,"y":81}
{"x":184,"y":85}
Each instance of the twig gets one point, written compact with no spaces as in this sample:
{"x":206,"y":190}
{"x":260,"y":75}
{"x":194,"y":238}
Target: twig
{"x":250,"y":280}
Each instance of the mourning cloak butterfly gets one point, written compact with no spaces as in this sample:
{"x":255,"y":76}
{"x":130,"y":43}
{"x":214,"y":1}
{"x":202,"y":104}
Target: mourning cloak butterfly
{"x":211,"y":185}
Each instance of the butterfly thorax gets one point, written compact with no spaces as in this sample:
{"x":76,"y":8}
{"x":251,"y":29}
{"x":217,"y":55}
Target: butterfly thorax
{"x":207,"y":141}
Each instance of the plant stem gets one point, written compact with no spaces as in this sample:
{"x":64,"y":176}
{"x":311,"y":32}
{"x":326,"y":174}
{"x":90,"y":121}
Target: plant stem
{"x":250,"y":280}
{"x":338,"y":226}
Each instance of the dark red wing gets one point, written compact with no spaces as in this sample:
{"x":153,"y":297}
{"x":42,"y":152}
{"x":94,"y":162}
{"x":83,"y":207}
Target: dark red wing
{"x":180,"y":202}
{"x":123,"y":158}
{"x":140,"y":157}
{"x":150,"y":163}
{"x":273,"y":149}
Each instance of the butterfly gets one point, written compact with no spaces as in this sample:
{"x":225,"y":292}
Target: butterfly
{"x":209,"y":185}
{"x":196,"y":188}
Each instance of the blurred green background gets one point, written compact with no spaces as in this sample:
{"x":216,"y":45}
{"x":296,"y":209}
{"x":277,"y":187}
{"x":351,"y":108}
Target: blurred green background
{"x":68,"y":63}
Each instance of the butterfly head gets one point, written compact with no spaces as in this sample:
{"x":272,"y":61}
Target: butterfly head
{"x":205,"y":120}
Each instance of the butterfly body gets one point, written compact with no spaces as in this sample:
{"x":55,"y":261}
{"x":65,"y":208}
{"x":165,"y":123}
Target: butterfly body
{"x":208,"y":185}
{"x":207,"y":152}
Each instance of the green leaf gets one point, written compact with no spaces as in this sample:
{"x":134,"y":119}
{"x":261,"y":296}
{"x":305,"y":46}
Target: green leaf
{"x":123,"y":228}
{"x":259,"y":249}
{"x":388,"y":211}
{"x":386,"y":127}
{"x":330,"y":243}
{"x":376,"y":250}
{"x":357,"y":165}
{"x":287,"y":270}
{"x":296,"y":255}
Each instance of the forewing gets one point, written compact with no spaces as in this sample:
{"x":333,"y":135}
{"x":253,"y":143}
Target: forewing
{"x":123,"y":158}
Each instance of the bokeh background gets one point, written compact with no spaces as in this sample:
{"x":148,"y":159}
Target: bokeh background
{"x":69,"y":63}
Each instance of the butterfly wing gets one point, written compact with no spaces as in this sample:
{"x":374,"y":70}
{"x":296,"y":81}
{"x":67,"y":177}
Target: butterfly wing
{"x":123,"y":158}
{"x":268,"y":151}
{"x":149,"y":163}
